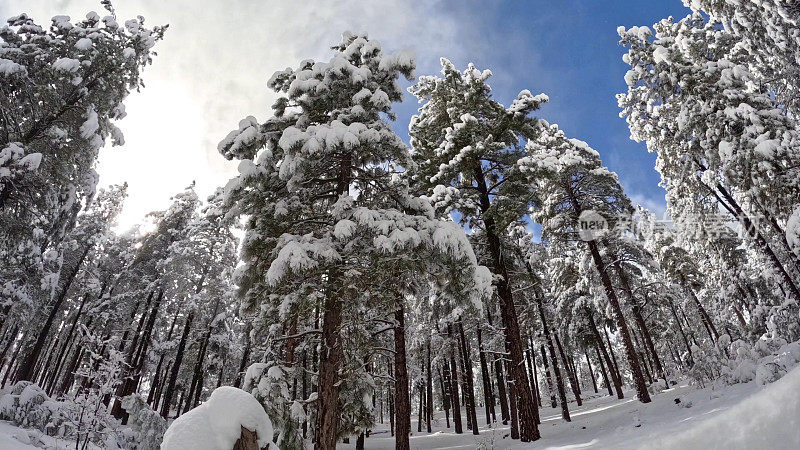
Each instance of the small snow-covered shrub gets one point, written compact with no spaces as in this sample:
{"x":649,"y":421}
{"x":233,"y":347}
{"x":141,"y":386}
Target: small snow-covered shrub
{"x":217,"y":423}
{"x":267,"y":382}
{"x":146,"y":427}
{"x":770,"y":358}
{"x":27,"y":405}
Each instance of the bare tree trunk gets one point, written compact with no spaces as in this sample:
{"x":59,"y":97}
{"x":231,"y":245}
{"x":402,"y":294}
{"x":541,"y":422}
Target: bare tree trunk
{"x":573,"y":382}
{"x":402,"y":406}
{"x":630,"y":351}
{"x":599,"y":343}
{"x":591,"y":373}
{"x":176,"y":366}
{"x":529,"y":431}
{"x":429,"y":392}
{"x":487,"y":389}
{"x":473,"y":419}
{"x":331,"y":357}
{"x":455,"y":401}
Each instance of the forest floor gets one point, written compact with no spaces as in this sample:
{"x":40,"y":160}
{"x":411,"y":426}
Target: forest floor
{"x":743,"y":416}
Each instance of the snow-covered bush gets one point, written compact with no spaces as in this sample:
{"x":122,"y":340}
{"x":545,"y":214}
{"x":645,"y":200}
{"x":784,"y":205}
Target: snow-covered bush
{"x":267,"y":383}
{"x":27,"y":405}
{"x":217,"y":423}
{"x":770,"y":358}
{"x":146,"y":427}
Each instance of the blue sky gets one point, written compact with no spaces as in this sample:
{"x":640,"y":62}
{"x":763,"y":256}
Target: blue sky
{"x":568,"y":50}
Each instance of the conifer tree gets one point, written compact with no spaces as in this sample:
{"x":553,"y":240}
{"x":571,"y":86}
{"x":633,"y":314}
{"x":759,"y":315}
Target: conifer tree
{"x":465,"y":147}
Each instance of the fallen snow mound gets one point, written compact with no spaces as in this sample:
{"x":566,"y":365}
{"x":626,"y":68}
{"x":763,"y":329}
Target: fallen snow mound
{"x":767,"y":419}
{"x":216,"y":424}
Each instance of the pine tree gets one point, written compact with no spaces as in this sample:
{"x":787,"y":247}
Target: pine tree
{"x":320,"y":181}
{"x":465,"y":146}
{"x":576,"y":188}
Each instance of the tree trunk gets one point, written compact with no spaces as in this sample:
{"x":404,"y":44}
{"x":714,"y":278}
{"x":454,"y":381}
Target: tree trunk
{"x":630,"y":351}
{"x":247,"y":441}
{"x":549,"y":377}
{"x":245,"y":356}
{"x":599,"y":342}
{"x":455,"y":401}
{"x":429,"y":393}
{"x":529,"y":431}
{"x":24,"y":372}
{"x":512,"y":403}
{"x":501,"y":384}
{"x":487,"y":389}
{"x":573,"y":382}
{"x":473,"y":418}
{"x":562,"y":395}
{"x":176,"y":366}
{"x":680,"y":329}
{"x":402,"y":406}
{"x":331,"y":357}
{"x":637,"y":315}
{"x":591,"y":373}
{"x":709,"y":324}
{"x":445,"y":395}
{"x":603,"y":370}
{"x":733,"y":207}
{"x":66,"y":345}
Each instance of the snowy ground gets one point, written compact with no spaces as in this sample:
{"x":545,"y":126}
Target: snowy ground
{"x":744,"y":416}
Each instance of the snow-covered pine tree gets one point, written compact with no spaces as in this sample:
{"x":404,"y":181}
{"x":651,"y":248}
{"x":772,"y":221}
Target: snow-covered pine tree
{"x":465,"y":147}
{"x":319,"y":182}
{"x":768,"y":30}
{"x":574,"y":186}
{"x":63,"y":88}
{"x":724,"y":141}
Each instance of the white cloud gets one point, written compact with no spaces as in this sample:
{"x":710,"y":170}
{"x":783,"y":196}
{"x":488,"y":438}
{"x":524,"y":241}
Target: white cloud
{"x":211,"y":71}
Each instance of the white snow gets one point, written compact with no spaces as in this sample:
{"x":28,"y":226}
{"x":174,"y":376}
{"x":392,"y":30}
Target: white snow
{"x":8,"y":67}
{"x":66,"y":65}
{"x":742,"y":416}
{"x":216,"y":424}
{"x":793,"y":231}
{"x":746,"y":416}
{"x":84,"y":44}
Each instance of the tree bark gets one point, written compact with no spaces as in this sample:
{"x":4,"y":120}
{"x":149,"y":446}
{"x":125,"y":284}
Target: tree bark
{"x":529,"y":431}
{"x":24,"y":372}
{"x":429,"y":392}
{"x":402,"y":406}
{"x":176,"y":366}
{"x":331,"y":358}
{"x":630,"y":351}
{"x":487,"y":389}
{"x":468,"y":378}
{"x":455,"y":401}
{"x":599,"y":343}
